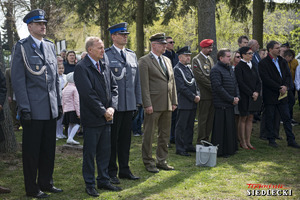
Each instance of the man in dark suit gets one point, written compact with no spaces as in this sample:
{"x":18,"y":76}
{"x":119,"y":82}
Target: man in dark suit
{"x":36,"y":85}
{"x":98,"y":94}
{"x":188,"y":96}
{"x":124,"y":66}
{"x":276,"y":80}
{"x":253,"y":44}
{"x":159,"y":100}
{"x":170,"y":53}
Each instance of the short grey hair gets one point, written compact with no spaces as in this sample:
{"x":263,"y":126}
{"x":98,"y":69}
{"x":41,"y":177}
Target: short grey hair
{"x":89,"y":42}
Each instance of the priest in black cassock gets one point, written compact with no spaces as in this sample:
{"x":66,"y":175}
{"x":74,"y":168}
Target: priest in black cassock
{"x":225,"y":95}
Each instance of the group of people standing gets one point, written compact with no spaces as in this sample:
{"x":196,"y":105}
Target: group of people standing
{"x":112,"y":84}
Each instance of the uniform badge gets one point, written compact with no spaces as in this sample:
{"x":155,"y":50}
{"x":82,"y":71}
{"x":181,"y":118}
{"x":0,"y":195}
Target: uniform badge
{"x":37,"y":67}
{"x":206,"y":66}
{"x":116,"y":70}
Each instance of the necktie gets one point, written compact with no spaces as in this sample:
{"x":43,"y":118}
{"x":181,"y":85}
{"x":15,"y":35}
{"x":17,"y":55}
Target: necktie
{"x":98,"y":67}
{"x":162,"y":65}
{"x":122,"y":55}
{"x":42,"y":48}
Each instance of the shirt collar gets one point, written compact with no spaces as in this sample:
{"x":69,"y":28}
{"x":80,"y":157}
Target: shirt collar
{"x":118,"y":49}
{"x":204,"y":55}
{"x":274,"y":60}
{"x":37,"y":41}
{"x":156,"y":57}
{"x":93,"y":61}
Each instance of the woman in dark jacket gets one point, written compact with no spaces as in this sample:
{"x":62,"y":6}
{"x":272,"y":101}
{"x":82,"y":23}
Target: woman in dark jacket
{"x":71,"y":62}
{"x":249,"y":87}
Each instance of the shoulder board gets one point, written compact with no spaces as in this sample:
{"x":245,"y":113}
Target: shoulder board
{"x":129,"y":50}
{"x":23,"y":41}
{"x":47,"y":40}
{"x":107,"y":49}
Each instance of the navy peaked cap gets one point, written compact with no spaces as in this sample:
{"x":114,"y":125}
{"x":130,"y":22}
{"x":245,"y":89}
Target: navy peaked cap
{"x":119,"y":28}
{"x":37,"y":15}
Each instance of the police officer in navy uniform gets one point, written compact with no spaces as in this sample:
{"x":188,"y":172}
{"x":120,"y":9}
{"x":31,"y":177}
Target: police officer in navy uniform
{"x":36,"y":85}
{"x":124,"y":66}
{"x":188,"y":96}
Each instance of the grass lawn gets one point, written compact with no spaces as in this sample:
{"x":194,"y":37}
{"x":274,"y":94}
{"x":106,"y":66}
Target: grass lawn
{"x":228,"y":180}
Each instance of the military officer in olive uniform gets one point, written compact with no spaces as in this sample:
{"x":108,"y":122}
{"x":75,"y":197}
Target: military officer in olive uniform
{"x":188,"y":96}
{"x":124,"y":66}
{"x":202,"y":64}
{"x":36,"y":85}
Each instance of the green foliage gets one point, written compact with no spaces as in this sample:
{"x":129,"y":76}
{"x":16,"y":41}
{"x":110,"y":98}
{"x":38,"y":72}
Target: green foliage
{"x":295,"y":39}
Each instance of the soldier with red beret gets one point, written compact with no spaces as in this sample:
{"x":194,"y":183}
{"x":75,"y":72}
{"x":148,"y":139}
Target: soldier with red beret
{"x":202,"y":64}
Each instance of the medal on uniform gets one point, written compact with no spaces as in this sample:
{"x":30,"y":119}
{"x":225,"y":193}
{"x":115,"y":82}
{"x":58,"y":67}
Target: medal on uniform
{"x":116,"y":70}
{"x":37,"y":67}
{"x":206,"y":66}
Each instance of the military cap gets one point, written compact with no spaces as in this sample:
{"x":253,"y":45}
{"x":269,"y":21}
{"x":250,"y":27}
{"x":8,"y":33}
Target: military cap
{"x":244,"y":50}
{"x":206,"y":43}
{"x":158,"y":37}
{"x":184,"y":50}
{"x":119,"y":28}
{"x":37,"y":15}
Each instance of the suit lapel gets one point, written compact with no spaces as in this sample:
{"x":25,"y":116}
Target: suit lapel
{"x":101,"y":78}
{"x":167,"y":66}
{"x":36,"y":49}
{"x":274,"y":68}
{"x":155,"y":63}
{"x":118,"y":55}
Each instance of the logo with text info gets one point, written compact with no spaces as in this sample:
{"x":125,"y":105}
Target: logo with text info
{"x":268,"y":190}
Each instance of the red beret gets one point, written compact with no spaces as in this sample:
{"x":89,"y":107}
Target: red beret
{"x":206,"y":43}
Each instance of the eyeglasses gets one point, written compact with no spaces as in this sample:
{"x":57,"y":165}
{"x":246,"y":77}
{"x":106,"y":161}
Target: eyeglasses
{"x":249,"y":53}
{"x":171,"y":42}
{"x":238,"y":56}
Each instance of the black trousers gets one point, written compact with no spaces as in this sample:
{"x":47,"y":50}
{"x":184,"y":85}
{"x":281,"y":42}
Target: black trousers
{"x":38,"y":153}
{"x":185,"y":129}
{"x":120,"y":143}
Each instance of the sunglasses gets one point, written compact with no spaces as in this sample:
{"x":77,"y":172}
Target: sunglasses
{"x":238,"y":56}
{"x":172,"y":42}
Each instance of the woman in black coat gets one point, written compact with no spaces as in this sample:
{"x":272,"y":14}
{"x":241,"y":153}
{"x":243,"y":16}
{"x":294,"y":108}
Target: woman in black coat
{"x":249,"y":86}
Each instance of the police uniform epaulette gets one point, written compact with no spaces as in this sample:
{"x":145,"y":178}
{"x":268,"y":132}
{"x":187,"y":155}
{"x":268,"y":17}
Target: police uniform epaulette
{"x":48,"y":40}
{"x":129,"y":50}
{"x":22,"y":41}
{"x":107,"y":49}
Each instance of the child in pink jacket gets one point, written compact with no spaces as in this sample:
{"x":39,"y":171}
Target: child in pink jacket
{"x":70,"y":102}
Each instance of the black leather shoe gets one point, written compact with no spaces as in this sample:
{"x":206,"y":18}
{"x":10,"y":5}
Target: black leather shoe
{"x":110,"y":187}
{"x":39,"y":195}
{"x":273,"y":144}
{"x":92,"y":191}
{"x":294,"y":145}
{"x":129,"y":176}
{"x":183,"y":153}
{"x":114,"y":180}
{"x":53,"y":190}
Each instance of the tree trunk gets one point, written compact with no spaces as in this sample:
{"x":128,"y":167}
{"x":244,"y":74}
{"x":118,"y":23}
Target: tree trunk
{"x":258,"y":21}
{"x":207,"y":23}
{"x":104,"y":21}
{"x":10,"y":143}
{"x":140,"y":28}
